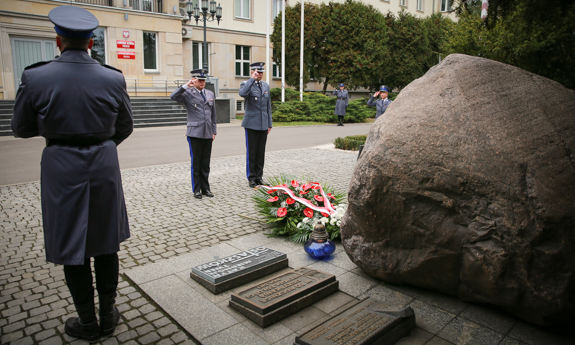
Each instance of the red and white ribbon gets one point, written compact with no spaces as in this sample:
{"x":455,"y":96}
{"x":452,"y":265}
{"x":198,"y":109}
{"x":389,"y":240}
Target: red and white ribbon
{"x":327,"y":208}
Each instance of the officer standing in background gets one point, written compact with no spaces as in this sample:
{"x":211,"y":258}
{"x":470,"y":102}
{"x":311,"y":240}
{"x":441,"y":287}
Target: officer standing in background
{"x":201,"y":132}
{"x":382,"y":103}
{"x":83,"y":110}
{"x":257,"y":122}
{"x":341,"y":103}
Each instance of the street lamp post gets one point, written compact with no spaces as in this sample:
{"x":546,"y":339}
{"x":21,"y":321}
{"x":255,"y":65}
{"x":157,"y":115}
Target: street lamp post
{"x":215,"y":13}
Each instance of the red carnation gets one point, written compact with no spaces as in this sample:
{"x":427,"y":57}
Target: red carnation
{"x":290,"y":201}
{"x":308,"y":212}
{"x":282,"y":211}
{"x":318,"y":198}
{"x":301,"y":192}
{"x":325,"y":214}
{"x":294,"y":183}
{"x":316,"y":186}
{"x":306,"y":186}
{"x":275,"y":198}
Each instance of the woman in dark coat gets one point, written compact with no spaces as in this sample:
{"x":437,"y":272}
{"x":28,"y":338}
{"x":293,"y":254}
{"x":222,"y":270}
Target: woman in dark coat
{"x":341,"y":103}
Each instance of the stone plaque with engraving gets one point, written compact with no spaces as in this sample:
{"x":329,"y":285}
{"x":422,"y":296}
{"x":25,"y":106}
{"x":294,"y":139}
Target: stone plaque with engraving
{"x":368,"y":322}
{"x":235,"y":270}
{"x":281,"y":296}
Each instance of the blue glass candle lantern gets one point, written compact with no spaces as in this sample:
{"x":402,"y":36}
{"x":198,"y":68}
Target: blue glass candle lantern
{"x":319,"y":246}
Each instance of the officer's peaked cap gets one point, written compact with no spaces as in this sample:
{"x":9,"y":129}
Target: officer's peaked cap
{"x":201,"y":73}
{"x":259,"y":66}
{"x":341,"y":84}
{"x":73,"y":22}
{"x":383,"y":88}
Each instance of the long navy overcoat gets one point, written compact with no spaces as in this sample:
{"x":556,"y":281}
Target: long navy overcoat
{"x":83,"y":110}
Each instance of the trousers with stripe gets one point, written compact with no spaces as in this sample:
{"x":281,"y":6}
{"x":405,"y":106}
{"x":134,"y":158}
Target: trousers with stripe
{"x":200,"y":153}
{"x":255,"y":153}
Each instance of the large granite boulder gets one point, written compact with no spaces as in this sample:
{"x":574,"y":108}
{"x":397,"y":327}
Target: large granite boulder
{"x":467,"y":186}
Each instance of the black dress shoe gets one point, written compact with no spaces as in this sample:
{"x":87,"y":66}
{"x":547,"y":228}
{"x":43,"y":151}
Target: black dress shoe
{"x":253,"y":184}
{"x":89,"y":332}
{"x":198,"y":195}
{"x":260,"y":182}
{"x":208,"y":193}
{"x":109,"y":322}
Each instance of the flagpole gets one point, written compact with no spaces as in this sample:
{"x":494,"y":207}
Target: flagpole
{"x":283,"y":50}
{"x":301,"y":57}
{"x":268,"y":41}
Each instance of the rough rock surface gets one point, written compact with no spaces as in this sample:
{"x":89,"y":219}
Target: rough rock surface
{"x":467,"y":186}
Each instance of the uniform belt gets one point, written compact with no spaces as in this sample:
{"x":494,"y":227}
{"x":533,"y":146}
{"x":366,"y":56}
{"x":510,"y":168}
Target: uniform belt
{"x":75,"y":141}
{"x":341,"y":98}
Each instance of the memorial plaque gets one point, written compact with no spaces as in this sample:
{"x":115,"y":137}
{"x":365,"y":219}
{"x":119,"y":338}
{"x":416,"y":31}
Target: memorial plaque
{"x":235,"y":270}
{"x":368,"y":322}
{"x":281,"y":296}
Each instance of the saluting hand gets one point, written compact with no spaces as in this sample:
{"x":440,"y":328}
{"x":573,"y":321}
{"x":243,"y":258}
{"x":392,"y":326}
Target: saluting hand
{"x":192,"y":82}
{"x":376,"y":94}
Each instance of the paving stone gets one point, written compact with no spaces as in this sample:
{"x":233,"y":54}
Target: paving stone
{"x":149,"y":338}
{"x":51,"y":341}
{"x":461,"y":331}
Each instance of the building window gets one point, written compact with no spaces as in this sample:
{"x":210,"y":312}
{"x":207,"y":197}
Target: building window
{"x":403,"y":3}
{"x":445,"y":5}
{"x":150,"y":51}
{"x":243,"y":9}
{"x":239,"y":105}
{"x":242,"y":61}
{"x":276,"y":70}
{"x":198,"y":56}
{"x":98,"y":51}
{"x":277,"y":8}
{"x":420,"y":5}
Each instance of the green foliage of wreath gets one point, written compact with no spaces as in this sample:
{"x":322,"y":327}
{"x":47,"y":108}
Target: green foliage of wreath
{"x":292,"y":218}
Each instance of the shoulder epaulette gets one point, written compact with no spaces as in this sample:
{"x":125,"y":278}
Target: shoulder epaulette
{"x":34,"y":65}
{"x":110,"y":67}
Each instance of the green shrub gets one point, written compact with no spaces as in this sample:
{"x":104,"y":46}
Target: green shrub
{"x":351,"y":142}
{"x":318,"y":107}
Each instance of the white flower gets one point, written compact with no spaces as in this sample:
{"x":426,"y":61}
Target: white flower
{"x":324,"y":220}
{"x":338,"y":223}
{"x":332,"y":221}
{"x":305,"y":220}
{"x":299,"y":225}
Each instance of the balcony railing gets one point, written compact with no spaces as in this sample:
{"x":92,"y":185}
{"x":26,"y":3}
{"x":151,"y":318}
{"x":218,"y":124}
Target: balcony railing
{"x":147,"y":5}
{"x":97,"y":2}
{"x":140,"y":5}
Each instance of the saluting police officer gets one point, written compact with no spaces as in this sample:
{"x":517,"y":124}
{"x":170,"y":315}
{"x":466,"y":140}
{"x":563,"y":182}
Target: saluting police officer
{"x":83,"y":110}
{"x":382,"y":103}
{"x":257,"y":122}
{"x":341,"y":103}
{"x":201,"y":132}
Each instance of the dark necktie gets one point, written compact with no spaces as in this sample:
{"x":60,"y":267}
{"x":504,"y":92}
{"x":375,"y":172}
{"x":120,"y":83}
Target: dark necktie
{"x":202,"y":93}
{"x":259,"y":86}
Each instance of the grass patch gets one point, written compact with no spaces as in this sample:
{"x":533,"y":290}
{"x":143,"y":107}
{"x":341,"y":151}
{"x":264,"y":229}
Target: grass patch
{"x":350,"y":143}
{"x":300,"y":123}
{"x":239,"y":117}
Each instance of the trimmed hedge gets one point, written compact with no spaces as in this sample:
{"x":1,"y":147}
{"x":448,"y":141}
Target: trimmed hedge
{"x":351,"y":142}
{"x":316,"y":107}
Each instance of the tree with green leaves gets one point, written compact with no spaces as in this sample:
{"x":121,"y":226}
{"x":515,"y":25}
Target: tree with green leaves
{"x":538,"y":36}
{"x":355,"y":53}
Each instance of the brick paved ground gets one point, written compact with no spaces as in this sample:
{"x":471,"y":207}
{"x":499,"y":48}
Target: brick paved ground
{"x":165,"y":221}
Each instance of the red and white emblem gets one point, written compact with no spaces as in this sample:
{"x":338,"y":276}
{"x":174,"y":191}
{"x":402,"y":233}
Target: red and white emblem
{"x":126,"y":34}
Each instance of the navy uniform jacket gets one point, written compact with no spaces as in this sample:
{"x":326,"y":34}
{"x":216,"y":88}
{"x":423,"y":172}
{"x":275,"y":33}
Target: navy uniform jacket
{"x":342,"y":101}
{"x":201,"y":114}
{"x":379,"y":104}
{"x":258,"y":105}
{"x":83,"y":110}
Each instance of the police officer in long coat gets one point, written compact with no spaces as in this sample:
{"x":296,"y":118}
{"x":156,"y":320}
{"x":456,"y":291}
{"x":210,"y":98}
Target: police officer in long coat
{"x":83,"y":110}
{"x":341,"y":103}
{"x":257,"y":122}
{"x":382,"y":103}
{"x":201,"y":132}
